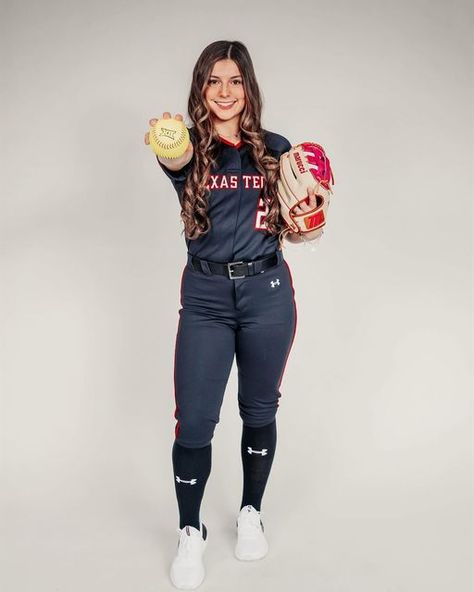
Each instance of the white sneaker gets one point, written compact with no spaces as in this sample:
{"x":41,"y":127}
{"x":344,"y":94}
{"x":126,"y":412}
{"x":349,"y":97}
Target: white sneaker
{"x":187,"y":569}
{"x":251,"y":542}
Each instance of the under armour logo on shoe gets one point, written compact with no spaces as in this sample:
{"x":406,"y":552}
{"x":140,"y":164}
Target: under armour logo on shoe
{"x":263,"y":452}
{"x":275,"y":283}
{"x":191,"y":481}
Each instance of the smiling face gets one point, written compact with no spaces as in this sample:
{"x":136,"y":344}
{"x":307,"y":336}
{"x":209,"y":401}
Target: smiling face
{"x":224,"y":94}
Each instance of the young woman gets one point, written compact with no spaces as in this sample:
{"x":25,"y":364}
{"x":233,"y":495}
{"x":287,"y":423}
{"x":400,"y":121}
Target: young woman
{"x":237,"y":296}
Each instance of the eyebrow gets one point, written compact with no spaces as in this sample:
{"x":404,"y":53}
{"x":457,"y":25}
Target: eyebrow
{"x":238,"y":76}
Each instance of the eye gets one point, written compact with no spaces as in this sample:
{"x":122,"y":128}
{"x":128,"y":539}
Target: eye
{"x":213,"y":80}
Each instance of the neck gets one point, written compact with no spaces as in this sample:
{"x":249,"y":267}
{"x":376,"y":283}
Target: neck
{"x":228,"y":129}
{"x":230,"y":136}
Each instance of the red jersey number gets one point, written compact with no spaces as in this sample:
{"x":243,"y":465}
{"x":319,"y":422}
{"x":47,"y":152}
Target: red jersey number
{"x":262,"y":211}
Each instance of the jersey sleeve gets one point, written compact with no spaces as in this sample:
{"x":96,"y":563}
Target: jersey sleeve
{"x":277,"y":144}
{"x":176,"y":177}
{"x":284,"y":145}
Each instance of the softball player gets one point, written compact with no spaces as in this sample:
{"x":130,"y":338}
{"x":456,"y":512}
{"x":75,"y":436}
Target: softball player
{"x":236,"y":296}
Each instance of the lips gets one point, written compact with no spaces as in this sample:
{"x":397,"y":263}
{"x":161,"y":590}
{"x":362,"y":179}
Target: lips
{"x":225,"y":106}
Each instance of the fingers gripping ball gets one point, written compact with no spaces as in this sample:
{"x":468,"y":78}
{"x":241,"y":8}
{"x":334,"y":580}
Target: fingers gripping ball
{"x":169,"y":138}
{"x":305,"y":165}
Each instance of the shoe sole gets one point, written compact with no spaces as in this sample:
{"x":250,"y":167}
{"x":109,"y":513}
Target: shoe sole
{"x":247,"y":557}
{"x":187,"y":587}
{"x":192,"y":587}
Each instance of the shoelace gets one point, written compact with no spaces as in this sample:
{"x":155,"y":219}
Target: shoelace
{"x":250,"y":522}
{"x":186,"y":542}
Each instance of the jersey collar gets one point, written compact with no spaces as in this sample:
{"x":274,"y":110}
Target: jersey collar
{"x":225,"y":141}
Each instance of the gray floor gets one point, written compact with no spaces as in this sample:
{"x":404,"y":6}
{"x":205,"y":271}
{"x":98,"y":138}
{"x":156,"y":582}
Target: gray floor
{"x":112,"y":528}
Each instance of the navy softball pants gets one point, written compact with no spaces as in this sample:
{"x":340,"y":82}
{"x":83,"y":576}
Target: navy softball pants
{"x":252,"y":318}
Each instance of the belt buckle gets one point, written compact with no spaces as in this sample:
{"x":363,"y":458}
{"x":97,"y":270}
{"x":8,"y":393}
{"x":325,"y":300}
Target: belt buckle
{"x":229,"y":270}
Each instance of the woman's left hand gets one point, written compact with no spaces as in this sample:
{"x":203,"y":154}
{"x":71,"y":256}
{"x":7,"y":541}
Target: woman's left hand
{"x":309,"y":203}
{"x":306,"y":206}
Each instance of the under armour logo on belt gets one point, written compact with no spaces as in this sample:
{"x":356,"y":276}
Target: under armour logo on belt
{"x":275,"y":283}
{"x":263,"y":452}
{"x":191,"y":481}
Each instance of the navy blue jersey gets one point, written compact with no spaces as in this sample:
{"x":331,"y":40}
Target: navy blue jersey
{"x":236,"y":209}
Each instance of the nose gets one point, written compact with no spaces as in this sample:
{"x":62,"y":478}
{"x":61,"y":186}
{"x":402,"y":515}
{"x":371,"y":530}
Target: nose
{"x":224,"y":90}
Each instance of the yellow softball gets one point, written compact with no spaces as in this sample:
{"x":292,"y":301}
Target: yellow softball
{"x":169,"y":138}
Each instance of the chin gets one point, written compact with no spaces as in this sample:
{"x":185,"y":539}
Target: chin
{"x":225,"y":117}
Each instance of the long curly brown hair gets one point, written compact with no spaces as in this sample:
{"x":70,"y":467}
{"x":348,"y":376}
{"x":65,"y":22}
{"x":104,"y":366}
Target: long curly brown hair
{"x":206,"y":141}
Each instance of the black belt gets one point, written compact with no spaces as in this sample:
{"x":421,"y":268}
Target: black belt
{"x":242,"y":268}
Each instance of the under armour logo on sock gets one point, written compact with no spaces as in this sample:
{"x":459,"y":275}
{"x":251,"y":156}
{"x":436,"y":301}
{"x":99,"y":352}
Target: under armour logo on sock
{"x":263,"y":452}
{"x":275,"y":283}
{"x":191,"y":481}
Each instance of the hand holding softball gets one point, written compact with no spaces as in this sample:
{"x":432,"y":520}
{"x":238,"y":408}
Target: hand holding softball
{"x":169,"y":140}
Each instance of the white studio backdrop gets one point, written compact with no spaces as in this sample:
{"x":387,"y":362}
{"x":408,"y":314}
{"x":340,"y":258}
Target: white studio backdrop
{"x":371,"y":486}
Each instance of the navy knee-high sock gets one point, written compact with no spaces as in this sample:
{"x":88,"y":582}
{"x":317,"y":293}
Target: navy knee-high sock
{"x":191,"y":467}
{"x":257,"y":450}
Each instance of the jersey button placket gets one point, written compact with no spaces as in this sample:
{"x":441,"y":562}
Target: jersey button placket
{"x":236,"y":167}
